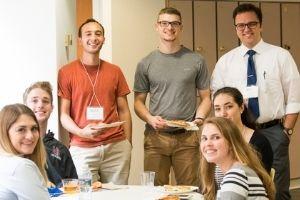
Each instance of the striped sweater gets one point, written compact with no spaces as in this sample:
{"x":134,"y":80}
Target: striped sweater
{"x":241,"y":182}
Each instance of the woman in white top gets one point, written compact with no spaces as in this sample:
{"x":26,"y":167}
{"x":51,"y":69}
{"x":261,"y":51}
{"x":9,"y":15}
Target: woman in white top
{"x":222,"y":144}
{"x":22,"y":155}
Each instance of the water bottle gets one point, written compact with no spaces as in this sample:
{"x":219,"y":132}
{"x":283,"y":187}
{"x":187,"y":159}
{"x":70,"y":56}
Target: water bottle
{"x":85,"y":184}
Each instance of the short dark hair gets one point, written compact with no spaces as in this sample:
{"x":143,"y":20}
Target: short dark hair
{"x":247,"y":7}
{"x":90,"y":20}
{"x":170,"y":11}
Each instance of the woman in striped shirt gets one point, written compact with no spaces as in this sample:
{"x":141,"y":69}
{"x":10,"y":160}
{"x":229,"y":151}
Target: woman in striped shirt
{"x":222,"y":144}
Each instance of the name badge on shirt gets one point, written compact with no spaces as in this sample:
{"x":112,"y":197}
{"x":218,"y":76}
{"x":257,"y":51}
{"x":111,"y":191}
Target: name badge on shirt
{"x":251,"y":91}
{"x":94,"y":113}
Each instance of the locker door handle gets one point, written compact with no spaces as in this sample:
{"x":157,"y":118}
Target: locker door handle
{"x":199,"y":49}
{"x":222,"y":48}
{"x":287,"y":47}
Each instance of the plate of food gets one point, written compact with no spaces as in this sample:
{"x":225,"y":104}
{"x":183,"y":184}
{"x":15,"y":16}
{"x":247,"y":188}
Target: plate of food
{"x":110,"y":125}
{"x":177,"y":197}
{"x":179,"y":189}
{"x":190,"y":126}
{"x":177,"y":123}
{"x":170,"y":197}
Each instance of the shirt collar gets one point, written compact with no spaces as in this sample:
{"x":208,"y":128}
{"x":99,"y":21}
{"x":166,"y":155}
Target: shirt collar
{"x":258,"y":48}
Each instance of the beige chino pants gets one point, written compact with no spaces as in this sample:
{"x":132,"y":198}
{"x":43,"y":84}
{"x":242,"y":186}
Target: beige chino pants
{"x":181,"y":151}
{"x":107,"y":163}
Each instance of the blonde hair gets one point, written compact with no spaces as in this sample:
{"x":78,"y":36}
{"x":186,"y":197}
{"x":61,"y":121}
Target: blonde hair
{"x":8,"y":116}
{"x":44,"y":85}
{"x":241,"y":152}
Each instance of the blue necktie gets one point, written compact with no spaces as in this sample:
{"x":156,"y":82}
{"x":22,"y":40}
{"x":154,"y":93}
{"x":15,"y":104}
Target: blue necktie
{"x":251,"y":80}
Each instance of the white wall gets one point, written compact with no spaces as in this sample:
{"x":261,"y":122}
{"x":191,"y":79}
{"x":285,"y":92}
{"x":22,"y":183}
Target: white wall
{"x":31,"y":46}
{"x":65,"y":25}
{"x":133,"y":37}
{"x":129,"y":36}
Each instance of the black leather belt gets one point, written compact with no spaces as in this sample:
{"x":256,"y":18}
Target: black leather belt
{"x":177,"y":131}
{"x":268,"y":124}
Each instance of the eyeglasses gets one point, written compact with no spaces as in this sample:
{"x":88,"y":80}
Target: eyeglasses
{"x":242,"y":26}
{"x":165,"y":24}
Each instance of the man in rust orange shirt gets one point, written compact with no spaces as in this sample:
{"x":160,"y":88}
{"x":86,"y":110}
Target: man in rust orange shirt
{"x":93,"y":93}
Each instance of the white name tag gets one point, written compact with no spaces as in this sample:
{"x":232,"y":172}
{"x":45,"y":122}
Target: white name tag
{"x":94,"y":113}
{"x":251,"y":91}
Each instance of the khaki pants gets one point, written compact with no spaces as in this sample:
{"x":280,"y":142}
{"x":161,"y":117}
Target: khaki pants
{"x":181,"y":151}
{"x":107,"y":163}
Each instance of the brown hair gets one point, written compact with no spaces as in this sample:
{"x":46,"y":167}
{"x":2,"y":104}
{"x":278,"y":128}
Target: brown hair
{"x":44,"y":85}
{"x":8,"y":116}
{"x":170,"y":11}
{"x":241,"y":152}
{"x":247,"y":115}
{"x":90,"y":20}
{"x":247,"y":7}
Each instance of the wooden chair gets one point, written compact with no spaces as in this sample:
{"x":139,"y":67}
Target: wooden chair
{"x":272,"y":173}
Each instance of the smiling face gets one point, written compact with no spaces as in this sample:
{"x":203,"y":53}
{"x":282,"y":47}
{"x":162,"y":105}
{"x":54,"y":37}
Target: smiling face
{"x":214,"y":146}
{"x":92,"y":38}
{"x":39,"y":101}
{"x":225,"y":106}
{"x":248,"y":36}
{"x":24,"y":134}
{"x":169,"y":33}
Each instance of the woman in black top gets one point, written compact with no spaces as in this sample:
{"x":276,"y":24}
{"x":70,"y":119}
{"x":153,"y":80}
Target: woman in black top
{"x":228,"y":102}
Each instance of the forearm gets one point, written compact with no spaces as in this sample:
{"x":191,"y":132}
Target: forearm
{"x":290,"y":120}
{"x":142,"y":111}
{"x":68,"y":123}
{"x":127,"y":126}
{"x":204,"y":108}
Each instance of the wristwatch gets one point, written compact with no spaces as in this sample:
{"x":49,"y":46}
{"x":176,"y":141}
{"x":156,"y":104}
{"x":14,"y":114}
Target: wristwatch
{"x":288,"y":131}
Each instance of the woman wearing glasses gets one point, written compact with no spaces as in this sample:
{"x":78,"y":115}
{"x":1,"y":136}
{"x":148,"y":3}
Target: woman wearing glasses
{"x":22,"y":155}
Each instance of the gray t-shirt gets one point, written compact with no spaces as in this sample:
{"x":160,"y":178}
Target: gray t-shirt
{"x":172,"y":81}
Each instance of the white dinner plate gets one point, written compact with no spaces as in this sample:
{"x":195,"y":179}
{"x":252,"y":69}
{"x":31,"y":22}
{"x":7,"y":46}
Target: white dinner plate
{"x":111,"y":125}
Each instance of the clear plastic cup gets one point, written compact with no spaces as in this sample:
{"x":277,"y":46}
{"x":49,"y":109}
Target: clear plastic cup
{"x":147,"y":178}
{"x":70,"y":185}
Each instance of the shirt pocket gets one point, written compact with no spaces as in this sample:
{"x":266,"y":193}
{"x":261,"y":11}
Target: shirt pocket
{"x":272,"y":85}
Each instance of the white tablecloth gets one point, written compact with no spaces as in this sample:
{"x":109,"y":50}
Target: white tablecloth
{"x":129,"y":192}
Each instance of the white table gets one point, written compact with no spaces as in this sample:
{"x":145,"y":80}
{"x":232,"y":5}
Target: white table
{"x":128,"y":192}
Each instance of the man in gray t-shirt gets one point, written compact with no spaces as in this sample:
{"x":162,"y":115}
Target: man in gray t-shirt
{"x":173,"y":75}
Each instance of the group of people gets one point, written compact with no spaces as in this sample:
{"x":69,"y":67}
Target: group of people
{"x":253,"y":92}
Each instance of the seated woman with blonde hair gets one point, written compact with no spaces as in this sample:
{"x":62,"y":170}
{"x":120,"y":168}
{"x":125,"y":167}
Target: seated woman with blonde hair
{"x":22,"y":155}
{"x":222,"y":144}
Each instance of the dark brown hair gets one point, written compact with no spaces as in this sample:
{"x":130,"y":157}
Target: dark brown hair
{"x":247,"y":7}
{"x":90,"y":20}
